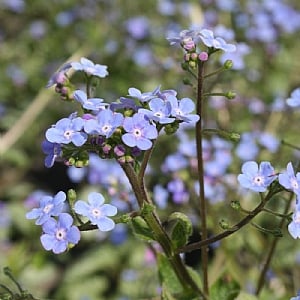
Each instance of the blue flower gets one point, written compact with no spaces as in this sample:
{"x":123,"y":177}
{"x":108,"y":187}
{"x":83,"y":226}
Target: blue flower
{"x":297,"y":297}
{"x":94,"y":104}
{"x":59,"y":77}
{"x":181,"y":109}
{"x":207,"y":37}
{"x":142,"y":97}
{"x":106,"y":123}
{"x":96,"y":211}
{"x":53,"y":152}
{"x":49,"y":206}
{"x":289,"y":180}
{"x":256,"y":179}
{"x":294,"y":226}
{"x":160,"y":111}
{"x":90,"y":68}
{"x":58,"y":234}
{"x":67,"y":130}
{"x":138,"y":132}
{"x":184,"y":35}
{"x":294,"y":100}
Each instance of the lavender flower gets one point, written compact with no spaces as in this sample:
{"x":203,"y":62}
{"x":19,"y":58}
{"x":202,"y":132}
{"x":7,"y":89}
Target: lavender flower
{"x":105,"y":124}
{"x":160,"y":111}
{"x":58,"y":234}
{"x":90,"y":68}
{"x":94,"y":104}
{"x":256,"y":178}
{"x":289,"y":180}
{"x":96,"y":211}
{"x":294,"y":100}
{"x":294,"y":226}
{"x":138,"y":132}
{"x":49,"y":206}
{"x":67,"y":130}
{"x":53,"y":152}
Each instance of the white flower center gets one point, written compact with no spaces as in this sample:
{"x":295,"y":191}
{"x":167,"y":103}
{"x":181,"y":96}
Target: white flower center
{"x":258,"y":180}
{"x":60,"y":234}
{"x":68,"y":134}
{"x":47,"y":208}
{"x":106,"y":128}
{"x":137,"y":133}
{"x":294,"y":184}
{"x":96,"y":212}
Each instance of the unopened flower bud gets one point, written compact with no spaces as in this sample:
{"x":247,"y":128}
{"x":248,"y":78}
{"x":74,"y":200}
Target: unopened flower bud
{"x":119,"y":150}
{"x":228,"y":64}
{"x":203,"y":56}
{"x":230,"y":95}
{"x":192,"y":64}
{"x":224,"y":224}
{"x":194,"y":56}
{"x":71,"y":195}
{"x":106,"y":148}
{"x":235,"y":205}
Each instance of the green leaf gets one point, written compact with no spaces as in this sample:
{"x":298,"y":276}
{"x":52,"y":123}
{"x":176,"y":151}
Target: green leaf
{"x":179,"y":227}
{"x":141,"y":229}
{"x":225,"y":289}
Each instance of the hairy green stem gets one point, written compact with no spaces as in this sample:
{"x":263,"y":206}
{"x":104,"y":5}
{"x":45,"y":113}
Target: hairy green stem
{"x":202,"y":202}
{"x":266,"y":265}
{"x":252,"y":214}
{"x":159,"y":232}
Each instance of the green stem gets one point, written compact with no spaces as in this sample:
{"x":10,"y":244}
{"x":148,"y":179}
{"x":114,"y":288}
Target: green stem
{"x":266,"y":265}
{"x":199,"y":136}
{"x":159,"y":232}
{"x":252,"y":214}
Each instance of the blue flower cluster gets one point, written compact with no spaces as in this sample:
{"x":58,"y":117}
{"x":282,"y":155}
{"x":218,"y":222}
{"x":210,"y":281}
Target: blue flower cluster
{"x":131,"y":123}
{"x":60,"y":233}
{"x":259,"y":178}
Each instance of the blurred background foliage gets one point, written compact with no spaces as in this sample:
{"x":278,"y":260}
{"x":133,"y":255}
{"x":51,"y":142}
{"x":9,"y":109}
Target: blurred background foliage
{"x":36,"y":37}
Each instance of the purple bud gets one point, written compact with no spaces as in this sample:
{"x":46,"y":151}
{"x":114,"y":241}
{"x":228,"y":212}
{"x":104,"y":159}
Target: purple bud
{"x":120,"y":150}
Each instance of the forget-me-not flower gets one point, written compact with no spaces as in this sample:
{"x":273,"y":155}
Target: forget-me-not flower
{"x":139,"y":132}
{"x":90,"y":68}
{"x":181,"y":109}
{"x":94,"y":104}
{"x":297,"y":297}
{"x":49,"y":206}
{"x":96,"y":211}
{"x":53,"y":152}
{"x":294,"y":99}
{"x":159,"y":111}
{"x":289,"y":180}
{"x":294,"y":226}
{"x":105,"y":123}
{"x":58,"y":234}
{"x":207,"y":37}
{"x":257,"y":178}
{"x":67,"y":130}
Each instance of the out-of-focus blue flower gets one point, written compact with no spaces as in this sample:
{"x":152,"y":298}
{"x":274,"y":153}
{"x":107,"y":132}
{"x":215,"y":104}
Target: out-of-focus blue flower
{"x":53,"y":152}
{"x":67,"y":130}
{"x":207,"y":37}
{"x":96,"y":211}
{"x":105,"y":124}
{"x":289,"y":180}
{"x":142,"y":97}
{"x":58,"y":234}
{"x":76,"y":174}
{"x":49,"y":206}
{"x":94,"y":104}
{"x":159,"y":111}
{"x":181,"y":109}
{"x":119,"y":235}
{"x":247,"y":148}
{"x":139,"y":132}
{"x":174,"y":162}
{"x":59,"y":77}
{"x":90,"y":68}
{"x":138,"y":27}
{"x":256,"y":178}
{"x":269,"y":141}
{"x":179,"y":193}
{"x":294,"y":226}
{"x":237,"y":57}
{"x":294,"y":99}
{"x":297,"y":297}
{"x":160,"y":196}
